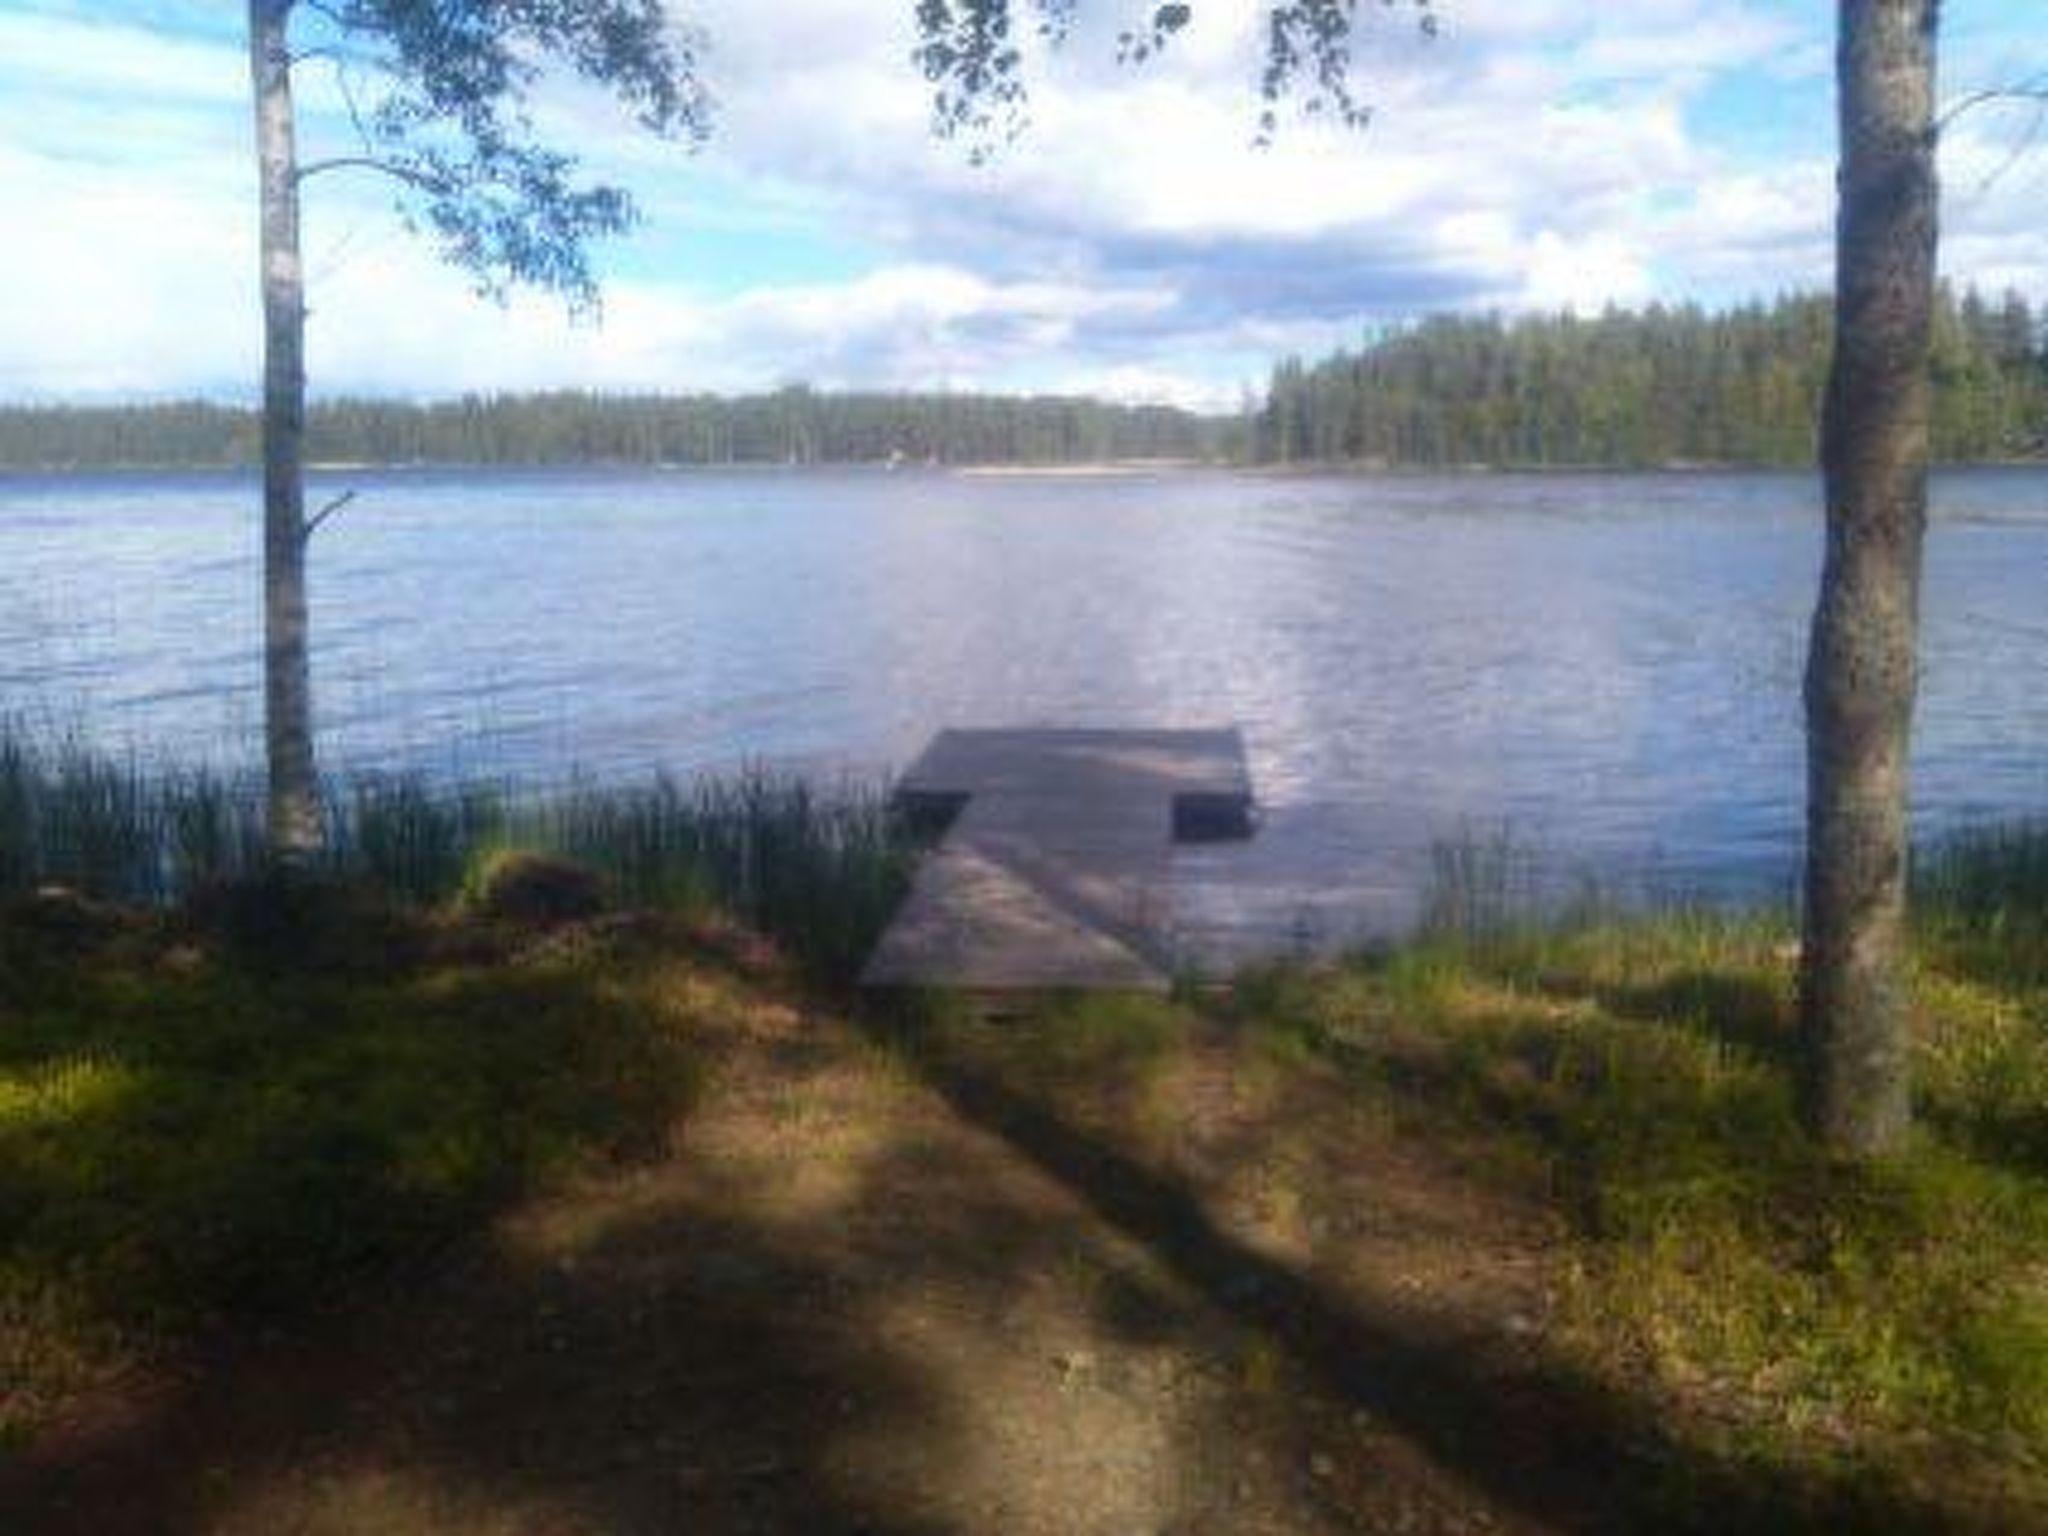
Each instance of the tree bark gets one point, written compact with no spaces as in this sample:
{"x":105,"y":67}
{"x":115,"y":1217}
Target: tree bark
{"x":1862,"y":668}
{"x":293,"y":818}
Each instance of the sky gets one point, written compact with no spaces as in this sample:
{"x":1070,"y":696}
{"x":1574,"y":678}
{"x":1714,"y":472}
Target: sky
{"x":1132,"y":243}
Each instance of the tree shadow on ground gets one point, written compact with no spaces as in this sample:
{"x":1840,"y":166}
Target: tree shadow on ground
{"x":683,"y":1355}
{"x":683,"y":1380}
{"x":682,"y":1368}
{"x":1542,"y":1440}
{"x":669,"y":1349}
{"x":787,"y":1335}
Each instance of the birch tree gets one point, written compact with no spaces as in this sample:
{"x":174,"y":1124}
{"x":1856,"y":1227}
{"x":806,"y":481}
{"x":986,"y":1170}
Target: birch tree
{"x":437,"y":94}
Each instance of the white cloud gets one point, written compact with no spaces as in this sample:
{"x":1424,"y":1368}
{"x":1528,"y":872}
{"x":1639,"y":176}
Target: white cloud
{"x":103,"y":60}
{"x":118,"y":284}
{"x":1539,"y":154}
{"x":900,"y":327}
{"x":1584,"y":275}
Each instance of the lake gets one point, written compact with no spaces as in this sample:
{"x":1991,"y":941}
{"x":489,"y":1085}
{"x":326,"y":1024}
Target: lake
{"x":1606,"y":665}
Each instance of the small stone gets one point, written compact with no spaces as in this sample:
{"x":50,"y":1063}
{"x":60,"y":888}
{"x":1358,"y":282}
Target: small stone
{"x":1321,"y":1466}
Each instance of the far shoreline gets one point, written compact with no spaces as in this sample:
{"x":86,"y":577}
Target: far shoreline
{"x":988,"y":470}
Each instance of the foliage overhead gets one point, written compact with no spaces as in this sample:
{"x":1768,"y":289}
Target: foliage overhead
{"x":439,"y":93}
{"x":968,"y":51}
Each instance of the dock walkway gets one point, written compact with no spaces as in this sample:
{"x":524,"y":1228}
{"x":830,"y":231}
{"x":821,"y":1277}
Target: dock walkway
{"x":1053,"y":870}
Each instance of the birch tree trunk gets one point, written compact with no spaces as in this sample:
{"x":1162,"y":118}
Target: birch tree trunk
{"x":293,"y":817}
{"x":1862,"y":669}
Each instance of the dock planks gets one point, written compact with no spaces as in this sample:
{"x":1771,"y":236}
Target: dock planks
{"x":1053,"y":872}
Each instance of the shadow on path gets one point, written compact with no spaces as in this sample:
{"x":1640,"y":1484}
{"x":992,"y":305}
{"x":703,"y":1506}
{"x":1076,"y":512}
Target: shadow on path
{"x":1542,"y":1440}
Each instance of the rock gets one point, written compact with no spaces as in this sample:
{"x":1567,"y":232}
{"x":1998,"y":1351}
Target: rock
{"x":540,"y":889}
{"x":1321,"y":1466}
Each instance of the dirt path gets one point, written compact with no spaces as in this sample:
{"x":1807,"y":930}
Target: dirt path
{"x":875,"y":1293}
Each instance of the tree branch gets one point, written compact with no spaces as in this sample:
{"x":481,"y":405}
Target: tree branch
{"x":313,"y":523}
{"x":397,"y":170}
{"x":2034,"y":89}
{"x":355,"y":111}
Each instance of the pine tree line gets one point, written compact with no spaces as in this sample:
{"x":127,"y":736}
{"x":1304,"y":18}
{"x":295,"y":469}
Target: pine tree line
{"x":1662,"y":385}
{"x":795,"y":425}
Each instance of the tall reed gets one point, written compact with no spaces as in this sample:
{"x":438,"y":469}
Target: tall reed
{"x":1991,"y":877}
{"x":817,"y":869}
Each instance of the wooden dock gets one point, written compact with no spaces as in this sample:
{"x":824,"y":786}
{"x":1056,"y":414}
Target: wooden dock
{"x":1053,"y":869}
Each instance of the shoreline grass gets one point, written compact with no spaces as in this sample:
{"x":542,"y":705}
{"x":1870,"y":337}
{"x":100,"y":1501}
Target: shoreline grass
{"x":817,"y":869}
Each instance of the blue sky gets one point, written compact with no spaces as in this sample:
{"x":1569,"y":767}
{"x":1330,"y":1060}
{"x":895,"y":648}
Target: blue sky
{"x":1537,"y":154}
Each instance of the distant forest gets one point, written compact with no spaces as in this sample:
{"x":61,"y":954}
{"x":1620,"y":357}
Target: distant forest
{"x":1655,"y":386}
{"x":791,"y":426}
{"x":1663,"y":385}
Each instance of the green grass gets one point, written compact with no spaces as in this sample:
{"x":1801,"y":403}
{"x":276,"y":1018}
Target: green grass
{"x":1638,"y":1073}
{"x":187,"y":1139}
{"x":223,"y":1093}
